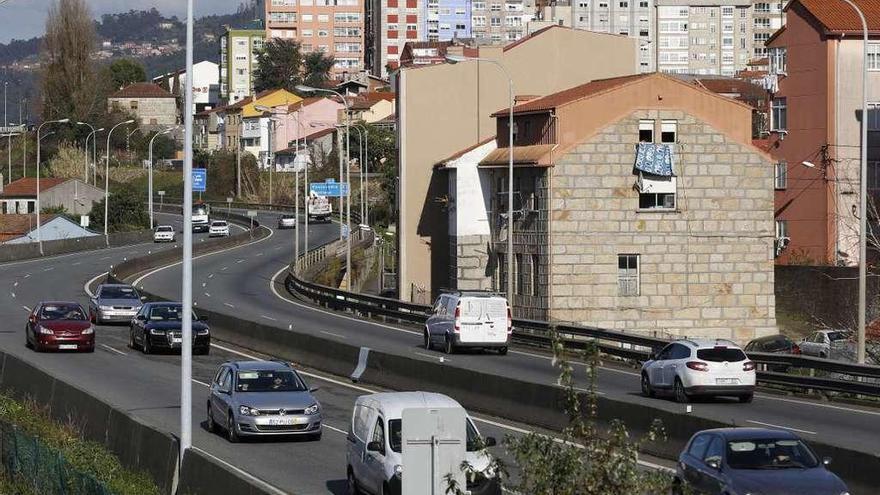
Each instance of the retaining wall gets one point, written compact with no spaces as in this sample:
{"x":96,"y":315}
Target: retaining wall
{"x":13,"y":252}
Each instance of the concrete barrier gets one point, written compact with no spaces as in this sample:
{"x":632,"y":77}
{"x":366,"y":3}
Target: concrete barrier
{"x":15,"y":252}
{"x":203,"y":475}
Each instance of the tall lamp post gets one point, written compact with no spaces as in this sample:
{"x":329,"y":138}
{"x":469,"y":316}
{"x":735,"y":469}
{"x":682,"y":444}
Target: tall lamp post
{"x":92,"y":133}
{"x":150,"y":172}
{"x":305,"y":162}
{"x":39,"y":234}
{"x":308,"y":89}
{"x":452,"y":59}
{"x":361,"y":165}
{"x":107,"y":180}
{"x":365,"y":180}
{"x":6,"y":124}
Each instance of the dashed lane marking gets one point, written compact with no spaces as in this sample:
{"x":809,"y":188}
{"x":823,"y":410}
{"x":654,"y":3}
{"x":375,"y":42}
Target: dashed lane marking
{"x":808,"y":432}
{"x":228,"y":305}
{"x":117,"y":351}
{"x":334,"y":334}
{"x":268,"y":318}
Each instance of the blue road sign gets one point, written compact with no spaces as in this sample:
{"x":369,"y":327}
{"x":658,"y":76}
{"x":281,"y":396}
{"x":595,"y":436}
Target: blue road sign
{"x":199,"y":179}
{"x":330,"y":188}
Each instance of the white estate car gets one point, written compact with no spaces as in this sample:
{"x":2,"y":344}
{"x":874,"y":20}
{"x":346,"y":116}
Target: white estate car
{"x":704,"y":367}
{"x":164,"y":233}
{"x":219,"y":228}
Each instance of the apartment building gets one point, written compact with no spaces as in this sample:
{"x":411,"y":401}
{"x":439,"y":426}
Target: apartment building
{"x":704,"y":36}
{"x":447,"y":19}
{"x":498,"y":22}
{"x":239,"y":56}
{"x":334,"y":27}
{"x":768,"y":17}
{"x":640,"y":204}
{"x":815,"y":128}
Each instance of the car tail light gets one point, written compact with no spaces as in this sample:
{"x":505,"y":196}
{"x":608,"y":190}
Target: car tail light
{"x":697,"y":366}
{"x":457,"y":327}
{"x":509,"y":321}
{"x":749,"y":366}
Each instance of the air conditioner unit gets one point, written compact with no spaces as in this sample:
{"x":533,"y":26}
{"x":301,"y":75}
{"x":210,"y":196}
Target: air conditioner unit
{"x":780,"y":244}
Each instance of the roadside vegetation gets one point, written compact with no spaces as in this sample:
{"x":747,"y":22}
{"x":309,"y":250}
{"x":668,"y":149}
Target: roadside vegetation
{"x":82,"y":456}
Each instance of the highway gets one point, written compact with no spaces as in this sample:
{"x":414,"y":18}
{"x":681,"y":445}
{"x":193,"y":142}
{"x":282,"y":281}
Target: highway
{"x":240,"y":281}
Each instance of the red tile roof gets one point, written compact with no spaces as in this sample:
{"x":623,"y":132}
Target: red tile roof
{"x":572,"y":94}
{"x":142,"y":90}
{"x":28,"y":186}
{"x":365,"y":101}
{"x":729,"y":86}
{"x":838,"y":17}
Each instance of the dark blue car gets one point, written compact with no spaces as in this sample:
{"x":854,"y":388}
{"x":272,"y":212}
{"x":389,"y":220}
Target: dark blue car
{"x":159,"y":326}
{"x":740,"y":461}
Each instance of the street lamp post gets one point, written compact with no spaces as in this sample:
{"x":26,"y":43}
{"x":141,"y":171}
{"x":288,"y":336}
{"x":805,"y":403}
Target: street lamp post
{"x":6,"y":124}
{"x":40,"y":128}
{"x":361,"y":165}
{"x":308,"y":89}
{"x":454,"y":60}
{"x":300,"y":134}
{"x":92,"y":133}
{"x":365,"y":180}
{"x":150,"y":172}
{"x":107,"y":180}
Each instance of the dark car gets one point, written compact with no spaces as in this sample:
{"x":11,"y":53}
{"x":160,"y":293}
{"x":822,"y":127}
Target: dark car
{"x":773,"y":343}
{"x":59,"y":326}
{"x":158,"y":326}
{"x":740,"y":461}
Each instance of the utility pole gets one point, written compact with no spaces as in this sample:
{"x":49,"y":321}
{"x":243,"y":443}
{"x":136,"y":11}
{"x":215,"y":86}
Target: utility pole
{"x":186,"y":299}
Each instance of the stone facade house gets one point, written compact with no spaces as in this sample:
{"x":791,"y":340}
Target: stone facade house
{"x":640,"y":204}
{"x":74,"y":195}
{"x":154,"y":107}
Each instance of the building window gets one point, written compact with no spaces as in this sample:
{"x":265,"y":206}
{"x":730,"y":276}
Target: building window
{"x":646,"y":131}
{"x":657,"y":201}
{"x":873,"y":56}
{"x":873,"y":175}
{"x":133,"y":104}
{"x":874,"y":116}
{"x":536,"y":280}
{"x":779,"y":115}
{"x":777,"y":61}
{"x":781,"y":175}
{"x":669,"y":131}
{"x":781,"y":230}
{"x":628,"y":275}
{"x":519,"y":274}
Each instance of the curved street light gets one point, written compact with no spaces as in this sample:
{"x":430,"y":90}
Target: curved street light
{"x":150,"y":173}
{"x":39,"y":233}
{"x":94,"y":147}
{"x":107,"y":179}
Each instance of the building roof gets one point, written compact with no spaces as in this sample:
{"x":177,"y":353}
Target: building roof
{"x":13,"y":226}
{"x":729,"y":85}
{"x":569,"y":95}
{"x":838,"y":17}
{"x":27,"y":187}
{"x":538,"y":154}
{"x":309,"y":101}
{"x":309,"y":137}
{"x":142,"y":90}
{"x":461,"y":153}
{"x":270,"y":98}
{"x":365,"y":101}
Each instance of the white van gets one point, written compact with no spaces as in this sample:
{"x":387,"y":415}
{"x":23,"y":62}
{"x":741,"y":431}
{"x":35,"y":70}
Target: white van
{"x":469,"y":319}
{"x":374,"y":454}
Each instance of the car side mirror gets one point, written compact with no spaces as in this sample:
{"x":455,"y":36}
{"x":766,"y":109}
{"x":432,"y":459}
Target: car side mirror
{"x":143,"y":298}
{"x":140,"y":318}
{"x":374,"y":447}
{"x":714,"y":464}
{"x":490,"y":442}
{"x":826,"y":461}
{"x":314,"y":389}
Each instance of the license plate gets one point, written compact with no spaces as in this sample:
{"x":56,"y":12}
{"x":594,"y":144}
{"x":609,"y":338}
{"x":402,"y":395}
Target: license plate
{"x":283,"y":421}
{"x":67,"y":347}
{"x":726,"y":381}
{"x":176,"y":340}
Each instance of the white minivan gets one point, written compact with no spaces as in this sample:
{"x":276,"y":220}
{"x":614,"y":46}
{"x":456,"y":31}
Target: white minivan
{"x":374,"y":455}
{"x":469,"y":319}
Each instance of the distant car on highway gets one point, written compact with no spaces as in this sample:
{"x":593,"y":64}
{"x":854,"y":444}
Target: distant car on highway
{"x":826,"y":343}
{"x":740,"y":461}
{"x":699,"y":367}
{"x":114,"y":303}
{"x":262,"y":398}
{"x":375,"y":441}
{"x":778,"y":344}
{"x":469,"y":319}
{"x":219,"y":228}
{"x":287,"y":221}
{"x":158,"y":326}
{"x":163,"y":233}
{"x":59,"y":326}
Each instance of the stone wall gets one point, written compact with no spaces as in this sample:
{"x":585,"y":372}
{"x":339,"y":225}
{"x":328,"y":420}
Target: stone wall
{"x":706,"y":268}
{"x":470,"y":262}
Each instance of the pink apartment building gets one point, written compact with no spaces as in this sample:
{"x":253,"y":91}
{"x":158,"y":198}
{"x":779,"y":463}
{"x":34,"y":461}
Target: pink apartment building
{"x":335,"y":27}
{"x":304,"y":119}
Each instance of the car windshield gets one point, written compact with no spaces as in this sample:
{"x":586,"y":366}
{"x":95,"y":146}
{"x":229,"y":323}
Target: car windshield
{"x":164,"y":229}
{"x":269,"y":381}
{"x":770,"y":454}
{"x":168,"y":313}
{"x":118,"y":293}
{"x":62,"y":312}
{"x":721,"y":354}
{"x":835,"y":336}
{"x":395,"y":436}
{"x":219,"y":224}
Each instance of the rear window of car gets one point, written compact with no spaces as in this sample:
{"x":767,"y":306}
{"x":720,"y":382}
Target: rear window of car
{"x":219,"y":224}
{"x":777,"y":345}
{"x":165,"y":229}
{"x":835,"y":336}
{"x":721,"y":354}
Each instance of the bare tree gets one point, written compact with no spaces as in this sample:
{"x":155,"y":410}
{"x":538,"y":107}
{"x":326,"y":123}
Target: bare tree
{"x":70,"y":85}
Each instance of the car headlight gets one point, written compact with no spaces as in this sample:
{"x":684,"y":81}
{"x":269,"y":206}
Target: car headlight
{"x":105,"y":308}
{"x":156,"y":331}
{"x":398,"y":469}
{"x":88,"y":331}
{"x":248,"y":411}
{"x":313,"y":409}
{"x":45,"y":331}
{"x":203,"y":331}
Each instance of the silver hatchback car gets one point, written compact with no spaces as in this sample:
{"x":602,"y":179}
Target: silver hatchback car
{"x":258,"y":398}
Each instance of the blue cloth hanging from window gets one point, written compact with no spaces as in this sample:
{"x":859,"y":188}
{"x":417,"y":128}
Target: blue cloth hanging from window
{"x":654,"y":159}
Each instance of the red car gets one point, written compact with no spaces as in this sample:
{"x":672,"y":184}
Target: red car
{"x":59,"y":326}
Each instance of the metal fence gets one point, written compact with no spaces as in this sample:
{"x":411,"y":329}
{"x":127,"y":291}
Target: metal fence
{"x":26,"y":459}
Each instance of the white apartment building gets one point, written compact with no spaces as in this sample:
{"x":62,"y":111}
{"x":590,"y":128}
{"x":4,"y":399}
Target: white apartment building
{"x":768,"y":18}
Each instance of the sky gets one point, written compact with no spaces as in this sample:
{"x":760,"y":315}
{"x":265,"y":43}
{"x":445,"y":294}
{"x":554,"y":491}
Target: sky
{"x":23,"y":19}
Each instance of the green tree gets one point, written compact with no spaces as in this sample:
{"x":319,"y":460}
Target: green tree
{"x":316,"y":68}
{"x":126,"y":212}
{"x":124,"y":71}
{"x":283,"y":65}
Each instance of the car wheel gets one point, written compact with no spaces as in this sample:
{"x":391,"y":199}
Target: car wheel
{"x":745,"y":399}
{"x":353,"y":488}
{"x":502,"y":351}
{"x":427,"y":340}
{"x":676,"y":487}
{"x":146,"y":347}
{"x":647,"y":390}
{"x":131,"y":342}
{"x":27,"y":340}
{"x":212,"y":426}
{"x":450,"y":346}
{"x":231,"y":434}
{"x":680,"y":395}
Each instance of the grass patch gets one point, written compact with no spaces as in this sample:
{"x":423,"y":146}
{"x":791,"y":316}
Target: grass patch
{"x":84,"y":456}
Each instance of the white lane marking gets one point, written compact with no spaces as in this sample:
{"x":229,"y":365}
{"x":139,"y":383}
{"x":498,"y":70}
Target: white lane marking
{"x":817,"y":404}
{"x":15,"y":284}
{"x":105,"y":346}
{"x":337,"y":430}
{"x":27,"y":309}
{"x":259,"y":254}
{"x":211,"y":275}
{"x":104,"y":258}
{"x":224,"y":268}
{"x":229,"y":305}
{"x":442,"y":359}
{"x":87,"y":286}
{"x":268,"y":487}
{"x":808,"y":432}
{"x":49,"y":269}
{"x":279,"y":248}
{"x":13,"y":294}
{"x":75,"y":264}
{"x":239,"y":261}
{"x":334,"y":334}
{"x":27,"y":275}
{"x":268,"y":318}
{"x":162,"y":268}
{"x":204,"y":284}
{"x":207,"y":295}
